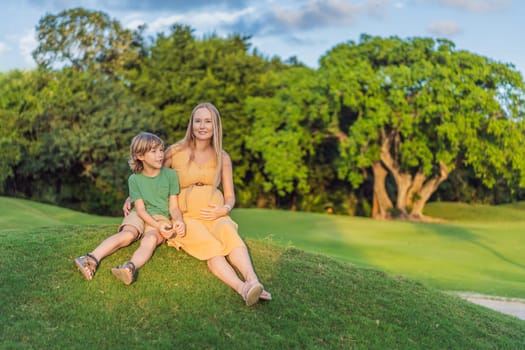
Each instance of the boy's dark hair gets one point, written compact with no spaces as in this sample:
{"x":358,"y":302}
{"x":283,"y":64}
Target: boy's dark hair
{"x":141,"y":144}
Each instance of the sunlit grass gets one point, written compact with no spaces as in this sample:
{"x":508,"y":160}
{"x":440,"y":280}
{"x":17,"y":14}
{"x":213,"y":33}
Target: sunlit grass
{"x":485,"y":255}
{"x":319,"y":302}
{"x":20,"y":214}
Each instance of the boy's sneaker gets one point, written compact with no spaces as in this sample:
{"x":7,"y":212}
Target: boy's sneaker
{"x":125,"y":272}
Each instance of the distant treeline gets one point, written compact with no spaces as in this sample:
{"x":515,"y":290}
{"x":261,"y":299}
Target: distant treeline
{"x":380,"y":128}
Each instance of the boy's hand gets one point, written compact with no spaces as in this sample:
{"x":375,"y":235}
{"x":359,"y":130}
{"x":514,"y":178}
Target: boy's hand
{"x":126,"y":208}
{"x":179,"y":227}
{"x":166,"y":230}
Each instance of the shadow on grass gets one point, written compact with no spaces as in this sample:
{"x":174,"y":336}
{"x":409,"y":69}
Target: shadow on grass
{"x":461,"y":234}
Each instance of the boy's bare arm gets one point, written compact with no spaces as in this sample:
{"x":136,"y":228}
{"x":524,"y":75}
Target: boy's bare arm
{"x":176,"y":216}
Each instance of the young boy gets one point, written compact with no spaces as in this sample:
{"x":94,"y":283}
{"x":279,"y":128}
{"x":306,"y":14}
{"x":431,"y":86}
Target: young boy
{"x":153,"y":190}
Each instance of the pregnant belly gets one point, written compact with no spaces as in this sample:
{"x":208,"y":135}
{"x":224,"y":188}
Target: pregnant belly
{"x":194,"y":198}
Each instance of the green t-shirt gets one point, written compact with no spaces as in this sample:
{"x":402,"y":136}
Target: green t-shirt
{"x":154,"y":191}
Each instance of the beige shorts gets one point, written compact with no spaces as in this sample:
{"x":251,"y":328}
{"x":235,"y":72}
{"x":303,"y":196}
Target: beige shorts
{"x":133,"y":219}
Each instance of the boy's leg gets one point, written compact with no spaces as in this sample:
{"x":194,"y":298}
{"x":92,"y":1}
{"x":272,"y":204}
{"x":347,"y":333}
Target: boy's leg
{"x":127,"y":271}
{"x":88,"y":264}
{"x":127,"y":235}
{"x":152,"y":238}
{"x":148,"y":243}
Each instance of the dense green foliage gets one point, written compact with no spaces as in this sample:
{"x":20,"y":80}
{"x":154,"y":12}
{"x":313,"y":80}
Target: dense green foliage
{"x":86,"y":41}
{"x":319,"y":303}
{"x":70,"y":144}
{"x":418,"y":109}
{"x":380,"y":128}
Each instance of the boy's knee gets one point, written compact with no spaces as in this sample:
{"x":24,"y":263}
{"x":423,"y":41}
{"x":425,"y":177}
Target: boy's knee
{"x":151,"y":239}
{"x":131,"y":232}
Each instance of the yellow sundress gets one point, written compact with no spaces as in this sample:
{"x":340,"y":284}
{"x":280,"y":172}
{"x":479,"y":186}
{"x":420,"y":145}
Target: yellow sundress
{"x":204,"y":238}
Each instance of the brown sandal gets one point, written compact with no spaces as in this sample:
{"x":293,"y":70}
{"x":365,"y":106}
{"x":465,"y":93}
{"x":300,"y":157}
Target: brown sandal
{"x":251,"y":292}
{"x":125,"y":272}
{"x":87,"y":264}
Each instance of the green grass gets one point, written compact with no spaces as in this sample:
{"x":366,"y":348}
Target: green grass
{"x":25,"y":214}
{"x":319,"y":303}
{"x":338,"y":283}
{"x":477,"y":249}
{"x":485,"y":256}
{"x":475,"y":213}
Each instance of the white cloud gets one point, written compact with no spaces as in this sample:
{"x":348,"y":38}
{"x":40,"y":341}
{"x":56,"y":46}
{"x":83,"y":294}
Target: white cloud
{"x":399,"y":4}
{"x":27,"y":44}
{"x":377,"y":8}
{"x":205,"y":21}
{"x":319,"y":14}
{"x":4,"y":48}
{"x":444,"y":28}
{"x":316,"y":13}
{"x":485,"y":6}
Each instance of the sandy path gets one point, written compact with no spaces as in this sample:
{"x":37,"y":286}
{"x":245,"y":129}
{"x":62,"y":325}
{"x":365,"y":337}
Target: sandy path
{"x":510,"y":306}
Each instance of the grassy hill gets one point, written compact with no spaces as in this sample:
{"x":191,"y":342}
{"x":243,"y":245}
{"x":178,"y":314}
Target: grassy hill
{"x":21,"y":214}
{"x":477,"y":249}
{"x":320,"y":302}
{"x":484,"y":256}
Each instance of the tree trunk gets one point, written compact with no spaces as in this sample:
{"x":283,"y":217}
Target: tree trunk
{"x":415,"y":188}
{"x":261,"y":202}
{"x":402,"y":180}
{"x":411,"y":191}
{"x":293,"y":202}
{"x":381,"y":202}
{"x":426,"y":191}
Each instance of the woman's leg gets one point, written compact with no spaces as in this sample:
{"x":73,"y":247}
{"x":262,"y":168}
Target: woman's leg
{"x":240,"y":258}
{"x":121,"y":239}
{"x":251,"y":289}
{"x":220,"y":267}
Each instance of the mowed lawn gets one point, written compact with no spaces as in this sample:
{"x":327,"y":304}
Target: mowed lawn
{"x":320,"y":302}
{"x":474,"y":248}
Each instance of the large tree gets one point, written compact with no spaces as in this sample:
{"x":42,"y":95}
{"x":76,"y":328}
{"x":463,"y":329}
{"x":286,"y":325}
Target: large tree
{"x":18,"y":92}
{"x":287,"y":134}
{"x":87,"y":40}
{"x":76,"y":147}
{"x":415,"y":109}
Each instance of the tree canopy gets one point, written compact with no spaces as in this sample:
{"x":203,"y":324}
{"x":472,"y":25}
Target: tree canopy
{"x":380,"y":128}
{"x":86,"y":40}
{"x":72,"y":138}
{"x":417,"y":109}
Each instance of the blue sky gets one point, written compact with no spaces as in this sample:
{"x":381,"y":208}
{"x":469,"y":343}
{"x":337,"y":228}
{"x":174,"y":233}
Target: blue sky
{"x":306,"y":29}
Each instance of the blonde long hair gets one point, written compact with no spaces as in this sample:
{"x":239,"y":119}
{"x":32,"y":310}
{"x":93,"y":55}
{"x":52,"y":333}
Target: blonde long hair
{"x":216,"y":142}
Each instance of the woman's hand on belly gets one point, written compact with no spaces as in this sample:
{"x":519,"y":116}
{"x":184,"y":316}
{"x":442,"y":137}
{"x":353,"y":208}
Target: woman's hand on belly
{"x":213,"y":212}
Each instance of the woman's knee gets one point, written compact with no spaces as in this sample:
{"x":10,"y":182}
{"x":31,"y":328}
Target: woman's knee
{"x":215,"y":262}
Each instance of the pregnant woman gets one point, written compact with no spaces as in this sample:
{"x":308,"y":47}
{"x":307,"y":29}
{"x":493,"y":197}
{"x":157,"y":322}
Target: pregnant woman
{"x":211,"y":234}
